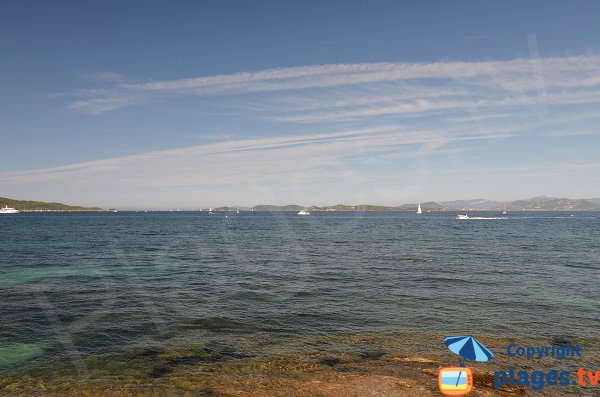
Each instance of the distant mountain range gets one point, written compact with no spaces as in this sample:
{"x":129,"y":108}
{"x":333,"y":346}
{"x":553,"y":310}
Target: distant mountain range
{"x":338,"y":207}
{"x":541,"y":203}
{"x":594,"y":200}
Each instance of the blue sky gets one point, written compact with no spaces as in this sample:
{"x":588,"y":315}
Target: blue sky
{"x":193,"y":104}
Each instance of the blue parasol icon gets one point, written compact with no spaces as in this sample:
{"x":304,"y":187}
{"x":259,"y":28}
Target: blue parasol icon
{"x":468,"y":348}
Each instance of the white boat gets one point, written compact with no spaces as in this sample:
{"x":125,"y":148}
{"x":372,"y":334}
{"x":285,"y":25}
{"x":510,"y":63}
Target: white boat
{"x":419,"y":211}
{"x":210,"y":211}
{"x":504,"y":212}
{"x":237,"y":211}
{"x":8,"y":210}
{"x":304,"y":212}
{"x":465,"y":216}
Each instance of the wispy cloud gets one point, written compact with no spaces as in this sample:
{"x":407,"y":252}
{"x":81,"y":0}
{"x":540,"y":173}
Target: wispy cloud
{"x":110,"y":77}
{"x":310,"y":157}
{"x":240,"y":160}
{"x":495,"y":80}
{"x":313,"y":155}
{"x":364,"y":129}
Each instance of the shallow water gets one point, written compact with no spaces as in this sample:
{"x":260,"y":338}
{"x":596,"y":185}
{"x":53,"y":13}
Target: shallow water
{"x":95,"y":290}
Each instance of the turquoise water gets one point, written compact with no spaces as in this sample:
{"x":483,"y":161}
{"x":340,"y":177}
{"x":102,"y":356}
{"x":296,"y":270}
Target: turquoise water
{"x":91,"y":285}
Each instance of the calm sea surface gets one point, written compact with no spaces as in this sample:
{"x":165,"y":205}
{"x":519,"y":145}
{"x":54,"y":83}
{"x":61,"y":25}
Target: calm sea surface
{"x":75,"y":286}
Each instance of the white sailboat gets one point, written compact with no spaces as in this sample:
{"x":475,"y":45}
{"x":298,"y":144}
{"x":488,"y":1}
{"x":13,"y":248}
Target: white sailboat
{"x":419,"y":211}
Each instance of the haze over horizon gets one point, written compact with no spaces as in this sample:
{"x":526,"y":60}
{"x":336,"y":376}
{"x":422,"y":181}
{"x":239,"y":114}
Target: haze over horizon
{"x":337,"y":105}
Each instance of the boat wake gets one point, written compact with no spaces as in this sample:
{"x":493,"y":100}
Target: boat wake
{"x":465,"y":217}
{"x":487,"y":218}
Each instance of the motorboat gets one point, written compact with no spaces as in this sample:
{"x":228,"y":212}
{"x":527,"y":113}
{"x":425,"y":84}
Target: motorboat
{"x":304,"y":212}
{"x":462,"y":216}
{"x":8,"y":210}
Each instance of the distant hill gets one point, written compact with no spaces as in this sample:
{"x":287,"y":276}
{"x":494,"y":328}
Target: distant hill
{"x":344,"y":207}
{"x":276,"y":208}
{"x":358,"y":207}
{"x":429,"y":205}
{"x":553,"y":204}
{"x":225,"y":209}
{"x":26,"y":205}
{"x":541,"y":203}
{"x":481,"y":204}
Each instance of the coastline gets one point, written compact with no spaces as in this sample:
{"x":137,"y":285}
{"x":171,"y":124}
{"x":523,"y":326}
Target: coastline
{"x":279,"y":376}
{"x":316,"y":210}
{"x":353,"y":365}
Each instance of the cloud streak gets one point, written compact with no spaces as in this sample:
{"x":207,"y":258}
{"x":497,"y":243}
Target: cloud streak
{"x":339,"y":130}
{"x":315,"y":157}
{"x":510,"y":77}
{"x":334,"y":164}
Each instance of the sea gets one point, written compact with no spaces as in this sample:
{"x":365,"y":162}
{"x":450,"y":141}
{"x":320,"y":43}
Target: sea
{"x":84,"y":292}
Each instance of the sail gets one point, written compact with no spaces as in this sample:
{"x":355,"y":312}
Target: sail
{"x":419,"y":209}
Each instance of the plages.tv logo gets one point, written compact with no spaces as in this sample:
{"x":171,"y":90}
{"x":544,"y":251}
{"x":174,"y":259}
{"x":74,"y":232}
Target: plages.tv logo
{"x":458,"y":381}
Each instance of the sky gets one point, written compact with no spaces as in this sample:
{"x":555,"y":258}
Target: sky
{"x":193,"y":104}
